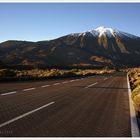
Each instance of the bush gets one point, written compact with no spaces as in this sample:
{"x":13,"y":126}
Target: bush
{"x":136,"y":100}
{"x":48,"y":73}
{"x":7,"y":73}
{"x":134,"y":75}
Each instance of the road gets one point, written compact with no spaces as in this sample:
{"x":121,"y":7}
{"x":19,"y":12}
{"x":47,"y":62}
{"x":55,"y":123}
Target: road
{"x":95,"y":106}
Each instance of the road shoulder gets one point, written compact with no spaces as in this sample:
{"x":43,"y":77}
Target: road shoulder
{"x":134,"y":123}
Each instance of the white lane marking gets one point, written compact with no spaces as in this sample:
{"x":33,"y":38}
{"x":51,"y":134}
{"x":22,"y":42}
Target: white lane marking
{"x":28,"y":89}
{"x":72,"y":80}
{"x":45,"y":86}
{"x":24,"y":115}
{"x":105,"y":78}
{"x":56,"y":84}
{"x":134,"y":123}
{"x":8,"y":93}
{"x":91,"y":85}
{"x":65,"y":82}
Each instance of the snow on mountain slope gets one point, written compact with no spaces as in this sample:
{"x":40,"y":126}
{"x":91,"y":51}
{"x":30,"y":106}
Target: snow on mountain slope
{"x":110,"y":32}
{"x":102,"y":30}
{"x":99,"y":47}
{"x":106,"y":38}
{"x":104,"y":34}
{"x":105,"y":31}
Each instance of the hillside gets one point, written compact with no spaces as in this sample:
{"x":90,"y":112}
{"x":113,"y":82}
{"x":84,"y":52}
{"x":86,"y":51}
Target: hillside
{"x":96,"y":48}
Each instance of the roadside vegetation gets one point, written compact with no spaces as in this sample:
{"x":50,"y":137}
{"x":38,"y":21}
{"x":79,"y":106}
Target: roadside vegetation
{"x":10,"y":74}
{"x":134,"y":76}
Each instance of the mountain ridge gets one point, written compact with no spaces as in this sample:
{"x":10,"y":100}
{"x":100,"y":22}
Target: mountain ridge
{"x":99,"y":47}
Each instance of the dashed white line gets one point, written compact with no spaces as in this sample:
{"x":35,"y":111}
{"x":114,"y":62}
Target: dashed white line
{"x":8,"y":93}
{"x":24,"y":115}
{"x":56,"y":84}
{"x":105,"y":78}
{"x":28,"y":89}
{"x":45,"y":86}
{"x":72,"y":80}
{"x":65,"y":82}
{"x":91,"y":85}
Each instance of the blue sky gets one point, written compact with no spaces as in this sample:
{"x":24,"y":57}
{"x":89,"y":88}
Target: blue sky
{"x":44,"y":21}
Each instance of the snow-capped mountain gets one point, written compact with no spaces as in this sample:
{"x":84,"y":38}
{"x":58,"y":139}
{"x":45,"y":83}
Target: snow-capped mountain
{"x":98,"y":47}
{"x":105,"y":36}
{"x":110,"y":32}
{"x":101,"y":31}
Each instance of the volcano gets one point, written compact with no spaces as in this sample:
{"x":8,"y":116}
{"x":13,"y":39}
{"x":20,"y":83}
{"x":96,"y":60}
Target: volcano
{"x":100,"y":47}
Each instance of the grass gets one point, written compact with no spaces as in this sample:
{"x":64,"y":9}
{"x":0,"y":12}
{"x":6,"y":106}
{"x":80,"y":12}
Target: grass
{"x":49,"y":73}
{"x":134,"y":76}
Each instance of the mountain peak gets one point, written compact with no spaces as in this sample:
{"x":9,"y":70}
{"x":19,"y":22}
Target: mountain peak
{"x":102,"y":46}
{"x":102,"y":30}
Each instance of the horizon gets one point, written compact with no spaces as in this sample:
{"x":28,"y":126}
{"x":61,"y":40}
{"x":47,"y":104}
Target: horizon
{"x":64,"y":35}
{"x":48,"y":21}
{"x":70,"y":70}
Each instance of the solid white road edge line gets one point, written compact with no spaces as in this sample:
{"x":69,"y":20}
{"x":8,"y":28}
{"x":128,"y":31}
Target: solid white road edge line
{"x":24,"y":115}
{"x":27,"y":89}
{"x":134,"y":123}
{"x":91,"y":85}
{"x":8,"y":93}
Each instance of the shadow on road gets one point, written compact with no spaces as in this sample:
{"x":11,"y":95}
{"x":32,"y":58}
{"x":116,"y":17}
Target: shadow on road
{"x":103,"y":87}
{"x":109,"y":87}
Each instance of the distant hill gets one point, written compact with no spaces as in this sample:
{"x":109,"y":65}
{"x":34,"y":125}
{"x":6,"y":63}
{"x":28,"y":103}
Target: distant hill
{"x":96,"y":48}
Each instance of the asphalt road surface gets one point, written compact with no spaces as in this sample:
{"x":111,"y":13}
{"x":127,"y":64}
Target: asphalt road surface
{"x":95,"y":106}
